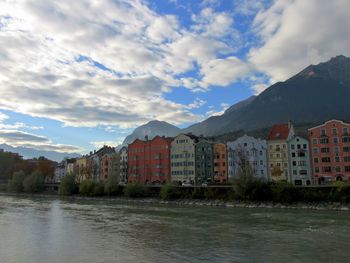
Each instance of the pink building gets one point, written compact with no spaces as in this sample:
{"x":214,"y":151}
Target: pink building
{"x":330,"y":151}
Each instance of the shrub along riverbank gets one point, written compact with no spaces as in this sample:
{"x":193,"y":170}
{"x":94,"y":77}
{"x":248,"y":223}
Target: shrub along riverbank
{"x":245,"y":189}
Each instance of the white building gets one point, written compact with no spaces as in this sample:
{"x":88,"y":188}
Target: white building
{"x":60,"y":171}
{"x":247,"y":150}
{"x":299,"y":161}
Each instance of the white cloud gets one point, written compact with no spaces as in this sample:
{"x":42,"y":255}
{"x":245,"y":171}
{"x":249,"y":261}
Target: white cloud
{"x":212,"y":112}
{"x":222,"y":72}
{"x":3,"y":117}
{"x":50,"y":50}
{"x":17,"y":138}
{"x":100,"y":144}
{"x":297,"y":33}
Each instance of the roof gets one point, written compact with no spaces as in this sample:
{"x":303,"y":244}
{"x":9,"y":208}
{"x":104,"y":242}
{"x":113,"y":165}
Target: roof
{"x":279,"y":132}
{"x":329,"y":121}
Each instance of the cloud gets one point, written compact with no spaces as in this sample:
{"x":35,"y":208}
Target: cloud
{"x":111,"y":64}
{"x":100,"y":144}
{"x":3,"y":117}
{"x":19,"y":138}
{"x":212,"y":112}
{"x":222,"y":72}
{"x":297,"y":33}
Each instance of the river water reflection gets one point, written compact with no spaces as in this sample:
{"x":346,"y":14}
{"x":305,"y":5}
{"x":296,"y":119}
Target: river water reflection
{"x":40,"y":230}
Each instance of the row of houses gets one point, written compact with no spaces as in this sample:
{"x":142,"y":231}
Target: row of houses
{"x":188,"y":159}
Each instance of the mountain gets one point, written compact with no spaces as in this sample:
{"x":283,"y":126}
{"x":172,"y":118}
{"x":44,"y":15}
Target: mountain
{"x":214,"y":125}
{"x":316,"y":94}
{"x":29,"y":153}
{"x":152,"y":129}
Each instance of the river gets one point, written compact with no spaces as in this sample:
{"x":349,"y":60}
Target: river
{"x":45,"y":230}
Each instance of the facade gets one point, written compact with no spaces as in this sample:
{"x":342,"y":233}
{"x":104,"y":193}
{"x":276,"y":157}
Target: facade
{"x":106,"y":166}
{"x":330,"y":151}
{"x":204,"y":161}
{"x":183,"y":158}
{"x":123,"y":168}
{"x":299,"y":161}
{"x":246,"y":152}
{"x":278,"y":152}
{"x":220,"y":163}
{"x":82,"y":168}
{"x":149,"y":160}
{"x":70,"y":165}
{"x":60,"y":171}
{"x":95,"y":160}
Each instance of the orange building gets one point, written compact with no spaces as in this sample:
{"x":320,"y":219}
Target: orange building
{"x":220,"y":163}
{"x":106,"y":166}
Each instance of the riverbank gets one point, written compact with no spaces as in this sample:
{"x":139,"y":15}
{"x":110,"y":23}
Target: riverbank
{"x":322,"y":206}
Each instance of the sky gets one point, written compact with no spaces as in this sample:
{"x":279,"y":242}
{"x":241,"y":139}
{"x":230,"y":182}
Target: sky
{"x":75,"y":75}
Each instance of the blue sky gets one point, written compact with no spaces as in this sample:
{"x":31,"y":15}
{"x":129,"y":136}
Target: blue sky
{"x":76,"y":75}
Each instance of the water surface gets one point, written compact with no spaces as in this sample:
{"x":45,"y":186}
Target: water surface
{"x":40,"y":230}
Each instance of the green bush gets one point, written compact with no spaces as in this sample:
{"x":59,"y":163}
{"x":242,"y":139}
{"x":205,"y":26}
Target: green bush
{"x":68,"y":185}
{"x":111,"y":186}
{"x":98,"y":189}
{"x":34,"y":182}
{"x":86,"y":187}
{"x":15,"y":184}
{"x":284,"y":192}
{"x":135,"y":190}
{"x":340,"y":192}
{"x":169,"y":191}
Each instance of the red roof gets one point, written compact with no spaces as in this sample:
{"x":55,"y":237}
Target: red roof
{"x":279,"y":132}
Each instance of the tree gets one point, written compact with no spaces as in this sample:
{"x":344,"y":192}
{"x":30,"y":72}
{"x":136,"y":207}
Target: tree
{"x":34,"y":182}
{"x":15,"y":184}
{"x":169,"y":191}
{"x":111,"y":186}
{"x":68,"y":185}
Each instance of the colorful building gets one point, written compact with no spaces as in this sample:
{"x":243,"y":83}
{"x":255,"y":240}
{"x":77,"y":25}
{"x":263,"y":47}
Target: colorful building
{"x":220,"y":163}
{"x":299,"y":161}
{"x":106,"y":166}
{"x":183,"y":158}
{"x":247,"y":153}
{"x":278,"y":151}
{"x":330,"y":151}
{"x":123,"y":154}
{"x":60,"y":171}
{"x":149,"y":160}
{"x":204,"y":161}
{"x":82,"y":168}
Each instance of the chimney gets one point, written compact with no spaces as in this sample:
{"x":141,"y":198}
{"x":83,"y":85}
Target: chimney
{"x":146,"y":137}
{"x":289,"y":124}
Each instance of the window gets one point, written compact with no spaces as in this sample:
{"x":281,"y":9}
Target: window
{"x":326,"y":150}
{"x":345,"y":130}
{"x":295,"y":172}
{"x":317,"y":169}
{"x":315,"y":160}
{"x":303,"y":172}
{"x":324,"y":140}
{"x":302,"y":163}
{"x":334,"y":131}
{"x":335,"y":140}
{"x":347,"y":159}
{"x":314,"y":141}
{"x":347,"y":168}
{"x":293,"y":154}
{"x":326,"y":160}
{"x":346,"y":149}
{"x":346,"y":139}
{"x":337,"y":159}
{"x":294,"y":163}
{"x":305,"y":146}
{"x":326,"y":169}
{"x":338,"y":169}
{"x":292,"y":146}
{"x":323,"y":132}
{"x":336,"y":149}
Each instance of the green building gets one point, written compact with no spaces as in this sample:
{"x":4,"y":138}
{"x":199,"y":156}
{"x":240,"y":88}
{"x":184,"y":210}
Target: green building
{"x":204,"y":161}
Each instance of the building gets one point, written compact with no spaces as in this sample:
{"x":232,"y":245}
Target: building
{"x":204,"y":161}
{"x":149,"y":160}
{"x":123,"y":154}
{"x":60,"y":171}
{"x":330,"y":151}
{"x":220,"y":163}
{"x":183,"y":158}
{"x":82,"y":168}
{"x":299,"y":161}
{"x":278,"y":151}
{"x":95,"y":159}
{"x":70,"y":165}
{"x":106,"y":166}
{"x":247,"y":153}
